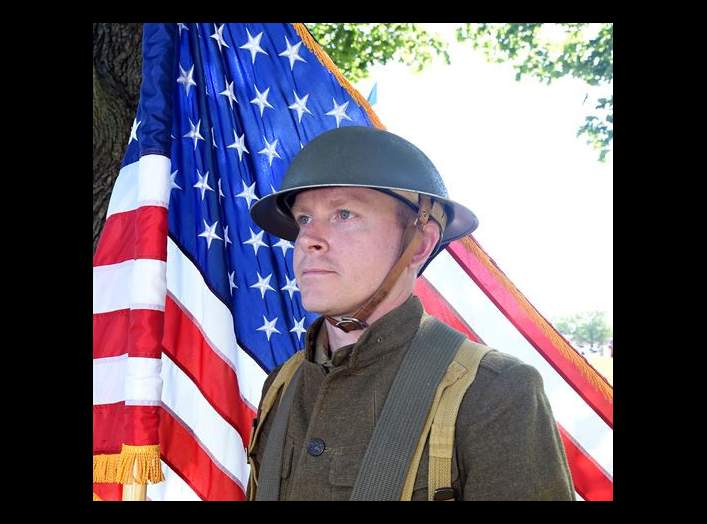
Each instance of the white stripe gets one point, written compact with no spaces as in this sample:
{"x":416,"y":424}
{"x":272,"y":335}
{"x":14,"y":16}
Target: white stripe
{"x":217,"y":437}
{"x":153,"y":188}
{"x":143,"y":384}
{"x":148,"y":286}
{"x":145,"y":182}
{"x":214,"y":320}
{"x":569,"y":409}
{"x":109,"y":379}
{"x":124,"y":195}
{"x":133,"y":380}
{"x":134,"y":284}
{"x":172,"y":488}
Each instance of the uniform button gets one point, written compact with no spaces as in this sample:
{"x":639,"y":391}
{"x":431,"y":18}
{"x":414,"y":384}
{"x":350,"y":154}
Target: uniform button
{"x":315,"y":447}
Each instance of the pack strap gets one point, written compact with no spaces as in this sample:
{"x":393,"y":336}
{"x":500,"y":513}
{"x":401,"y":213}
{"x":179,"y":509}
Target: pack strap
{"x":393,"y":443}
{"x":282,"y":380}
{"x":439,"y":485}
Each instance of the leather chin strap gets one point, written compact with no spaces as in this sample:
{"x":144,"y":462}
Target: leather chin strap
{"x":413,"y":232}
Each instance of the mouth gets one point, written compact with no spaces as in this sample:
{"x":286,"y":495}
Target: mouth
{"x":316,"y":273}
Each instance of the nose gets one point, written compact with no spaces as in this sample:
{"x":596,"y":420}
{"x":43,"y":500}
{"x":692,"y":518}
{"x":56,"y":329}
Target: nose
{"x":312,"y":238}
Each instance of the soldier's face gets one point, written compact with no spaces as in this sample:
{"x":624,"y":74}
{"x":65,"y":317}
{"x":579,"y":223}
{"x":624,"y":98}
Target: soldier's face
{"x":348,"y":240}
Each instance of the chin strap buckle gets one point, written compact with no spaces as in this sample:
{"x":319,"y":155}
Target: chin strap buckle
{"x":347,"y":324}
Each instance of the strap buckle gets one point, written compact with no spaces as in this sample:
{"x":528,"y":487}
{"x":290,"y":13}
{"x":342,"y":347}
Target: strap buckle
{"x":444,"y":494}
{"x":350,"y":324}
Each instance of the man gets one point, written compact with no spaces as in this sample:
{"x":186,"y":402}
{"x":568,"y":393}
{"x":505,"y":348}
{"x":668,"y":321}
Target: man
{"x":368,"y":211}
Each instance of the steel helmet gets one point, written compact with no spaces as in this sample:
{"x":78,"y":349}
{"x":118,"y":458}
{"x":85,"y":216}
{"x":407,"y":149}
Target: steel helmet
{"x":364,"y":157}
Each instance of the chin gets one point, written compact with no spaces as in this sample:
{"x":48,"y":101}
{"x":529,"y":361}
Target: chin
{"x":323,"y":305}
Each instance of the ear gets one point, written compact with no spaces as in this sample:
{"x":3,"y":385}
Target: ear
{"x":430,"y":238}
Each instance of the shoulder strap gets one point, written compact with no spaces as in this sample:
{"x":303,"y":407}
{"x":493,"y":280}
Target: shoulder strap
{"x":385,"y":463}
{"x":441,"y":421}
{"x":282,"y":380}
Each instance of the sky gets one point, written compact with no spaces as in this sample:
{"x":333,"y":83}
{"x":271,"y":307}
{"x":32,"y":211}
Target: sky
{"x":508,"y":150}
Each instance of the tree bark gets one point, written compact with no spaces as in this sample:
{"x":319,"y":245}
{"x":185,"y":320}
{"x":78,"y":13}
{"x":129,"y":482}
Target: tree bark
{"x":117,"y":74}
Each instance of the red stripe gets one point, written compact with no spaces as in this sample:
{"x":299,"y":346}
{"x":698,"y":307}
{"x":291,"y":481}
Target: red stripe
{"x":590,"y":480}
{"x":137,"y":332}
{"x":110,"y":333}
{"x":117,"y":424}
{"x":140,"y":233}
{"x":217,"y":381}
{"x":512,"y":309}
{"x":109,"y":491}
{"x":181,"y":451}
{"x":436,"y":305}
{"x":108,"y":428}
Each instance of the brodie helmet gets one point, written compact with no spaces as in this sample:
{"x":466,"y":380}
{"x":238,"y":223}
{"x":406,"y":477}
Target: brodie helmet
{"x":368,"y":157}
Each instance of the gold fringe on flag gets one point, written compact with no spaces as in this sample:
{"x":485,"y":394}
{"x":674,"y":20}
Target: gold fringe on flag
{"x":139,"y":465}
{"x":105,"y":468}
{"x":591,"y":374}
{"x":327,"y":62}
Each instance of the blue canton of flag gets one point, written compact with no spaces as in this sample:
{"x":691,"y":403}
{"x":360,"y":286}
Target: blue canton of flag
{"x":248,"y":97}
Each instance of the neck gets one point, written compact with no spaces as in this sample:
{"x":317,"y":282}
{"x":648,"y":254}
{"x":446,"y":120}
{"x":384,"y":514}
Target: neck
{"x":339,"y":338}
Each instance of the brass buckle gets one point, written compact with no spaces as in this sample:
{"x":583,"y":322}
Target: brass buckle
{"x":351,"y":323}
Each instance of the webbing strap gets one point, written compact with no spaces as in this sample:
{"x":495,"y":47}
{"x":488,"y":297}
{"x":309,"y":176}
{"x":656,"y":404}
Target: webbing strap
{"x":442,"y":434}
{"x":269,"y":477}
{"x":283,"y":378}
{"x":387,"y":458}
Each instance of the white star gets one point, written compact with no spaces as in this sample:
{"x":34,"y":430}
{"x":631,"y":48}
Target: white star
{"x":248,"y":193}
{"x":133,"y":131}
{"x":203,"y":183}
{"x":253,"y":45}
{"x":263,"y":284}
{"x":238,"y":144}
{"x":284,"y":245}
{"x":269,"y":327}
{"x":218,"y":36}
{"x":186,"y":78}
{"x":180,"y":27}
{"x":220,"y":193}
{"x":228,"y":92}
{"x":261,"y":99}
{"x":300,"y":105}
{"x":299,"y":328}
{"x":213,"y":139}
{"x":256,"y":241}
{"x":292,"y":53}
{"x":231,"y":283}
{"x":269,"y":150}
{"x":291,"y":286}
{"x":172,"y":183}
{"x":225,"y":236}
{"x":339,"y":112}
{"x":194,"y":133}
{"x":210,"y":233}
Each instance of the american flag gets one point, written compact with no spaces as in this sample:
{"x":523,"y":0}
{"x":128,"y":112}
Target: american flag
{"x":194,"y":305}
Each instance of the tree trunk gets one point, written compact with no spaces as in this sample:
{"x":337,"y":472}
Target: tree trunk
{"x":117,"y":74}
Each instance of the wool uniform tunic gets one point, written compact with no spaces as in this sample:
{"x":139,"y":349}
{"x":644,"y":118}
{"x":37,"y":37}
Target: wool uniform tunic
{"x":506,"y":443}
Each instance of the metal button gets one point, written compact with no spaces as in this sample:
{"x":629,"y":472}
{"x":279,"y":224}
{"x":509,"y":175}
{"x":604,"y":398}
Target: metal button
{"x":315,"y":447}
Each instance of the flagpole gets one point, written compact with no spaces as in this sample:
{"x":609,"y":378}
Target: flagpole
{"x":134,"y":492}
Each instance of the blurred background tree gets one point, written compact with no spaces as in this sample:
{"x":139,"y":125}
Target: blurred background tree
{"x":551,"y":51}
{"x":586,"y":330}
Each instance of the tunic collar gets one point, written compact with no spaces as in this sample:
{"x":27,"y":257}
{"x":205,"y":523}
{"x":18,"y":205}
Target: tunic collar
{"x":390,"y":332}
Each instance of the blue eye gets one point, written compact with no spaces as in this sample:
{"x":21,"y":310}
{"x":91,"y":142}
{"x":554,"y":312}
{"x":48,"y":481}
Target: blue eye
{"x":302,"y":220}
{"x":344,"y":214}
